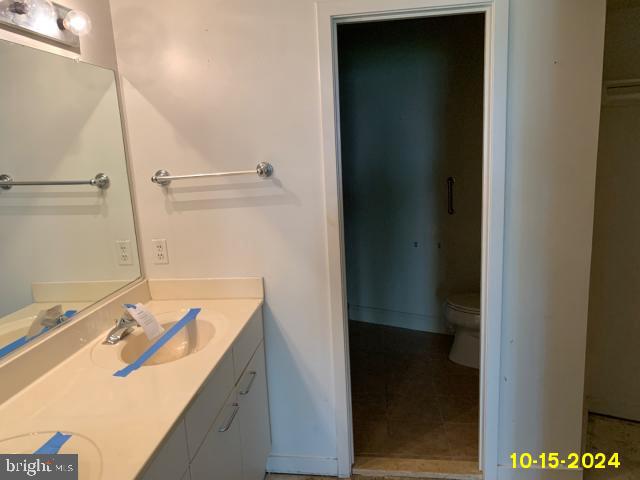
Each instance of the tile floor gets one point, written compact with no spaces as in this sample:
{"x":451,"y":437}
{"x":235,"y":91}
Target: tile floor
{"x":608,"y":435}
{"x":409,"y":400}
{"x":384,"y":358}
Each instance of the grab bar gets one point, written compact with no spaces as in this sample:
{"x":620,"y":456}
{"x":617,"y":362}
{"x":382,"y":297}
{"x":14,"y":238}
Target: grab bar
{"x":101,"y":181}
{"x":164,"y":178}
{"x":450,"y":208}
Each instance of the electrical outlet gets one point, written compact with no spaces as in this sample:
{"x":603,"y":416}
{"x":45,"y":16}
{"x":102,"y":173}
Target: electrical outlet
{"x":160,"y":256}
{"x":123,"y":249}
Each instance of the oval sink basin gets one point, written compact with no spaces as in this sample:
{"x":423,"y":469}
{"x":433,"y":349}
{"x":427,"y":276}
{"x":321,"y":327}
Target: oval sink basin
{"x":89,"y":458}
{"x":191,"y":338}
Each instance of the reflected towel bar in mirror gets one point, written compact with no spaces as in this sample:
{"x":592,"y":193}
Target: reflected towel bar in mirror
{"x":101,"y":181}
{"x":164,"y":178}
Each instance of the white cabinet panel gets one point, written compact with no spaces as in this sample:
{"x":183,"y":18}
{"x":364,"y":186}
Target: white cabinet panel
{"x":171,"y":460}
{"x":219,"y":457}
{"x":208,"y":403}
{"x":246,"y":343}
{"x":255,"y":431}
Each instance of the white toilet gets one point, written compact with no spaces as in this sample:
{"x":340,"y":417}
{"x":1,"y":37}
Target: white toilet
{"x":463,"y":312}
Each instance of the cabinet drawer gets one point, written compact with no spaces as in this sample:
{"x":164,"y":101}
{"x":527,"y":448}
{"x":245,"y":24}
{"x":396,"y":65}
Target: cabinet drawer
{"x":246,"y":344}
{"x":208,"y":403}
{"x":219,"y":457}
{"x":171,"y":461}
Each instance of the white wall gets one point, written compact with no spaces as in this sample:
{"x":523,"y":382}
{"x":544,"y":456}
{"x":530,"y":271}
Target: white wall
{"x":222,"y":85}
{"x":64,"y":124}
{"x":555,"y":67}
{"x":614,"y":306}
{"x":411,"y":115}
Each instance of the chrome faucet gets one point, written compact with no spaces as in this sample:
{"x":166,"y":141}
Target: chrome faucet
{"x":48,"y":319}
{"x":51,"y":317}
{"x":124,"y":326}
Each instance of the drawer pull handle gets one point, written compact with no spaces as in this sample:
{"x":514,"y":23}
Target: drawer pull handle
{"x":247,"y":389}
{"x":227,"y":425}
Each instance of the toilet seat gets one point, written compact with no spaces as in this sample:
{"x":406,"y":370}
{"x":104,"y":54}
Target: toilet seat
{"x":461,"y":319}
{"x":465,"y":303}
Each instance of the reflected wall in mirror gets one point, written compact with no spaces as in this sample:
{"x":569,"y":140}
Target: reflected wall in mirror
{"x":63,"y":247}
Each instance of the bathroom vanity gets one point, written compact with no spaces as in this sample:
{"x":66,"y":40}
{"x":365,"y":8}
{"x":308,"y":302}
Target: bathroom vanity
{"x":196,"y":409}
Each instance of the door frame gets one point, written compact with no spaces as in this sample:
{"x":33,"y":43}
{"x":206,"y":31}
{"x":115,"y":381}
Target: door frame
{"x":329,"y":14}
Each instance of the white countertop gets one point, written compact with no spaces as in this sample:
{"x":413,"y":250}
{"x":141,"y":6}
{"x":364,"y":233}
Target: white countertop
{"x":126,"y":418}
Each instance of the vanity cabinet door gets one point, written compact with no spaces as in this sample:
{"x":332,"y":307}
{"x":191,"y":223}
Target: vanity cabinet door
{"x":219,"y":456}
{"x":255,"y":430}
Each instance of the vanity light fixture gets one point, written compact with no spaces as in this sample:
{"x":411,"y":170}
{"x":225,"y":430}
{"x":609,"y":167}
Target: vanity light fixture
{"x":45,"y":20}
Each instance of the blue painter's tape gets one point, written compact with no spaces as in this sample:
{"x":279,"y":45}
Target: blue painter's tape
{"x":168,"y":335}
{"x":53,"y":445}
{"x":10,"y":347}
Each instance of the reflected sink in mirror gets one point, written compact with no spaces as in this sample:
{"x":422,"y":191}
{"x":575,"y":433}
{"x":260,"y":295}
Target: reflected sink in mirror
{"x":16,"y":329}
{"x":89,"y":457}
{"x":189,"y":340}
{"x":20,"y":327}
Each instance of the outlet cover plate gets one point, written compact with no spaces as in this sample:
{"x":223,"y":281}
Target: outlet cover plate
{"x":123,"y":251}
{"x":160,"y":255}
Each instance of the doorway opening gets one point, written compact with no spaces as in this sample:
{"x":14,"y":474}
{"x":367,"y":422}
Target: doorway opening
{"x":411,"y":114}
{"x":612,"y":387}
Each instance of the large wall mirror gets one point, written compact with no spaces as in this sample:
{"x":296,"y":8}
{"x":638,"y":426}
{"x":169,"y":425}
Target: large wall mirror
{"x":67,"y":236}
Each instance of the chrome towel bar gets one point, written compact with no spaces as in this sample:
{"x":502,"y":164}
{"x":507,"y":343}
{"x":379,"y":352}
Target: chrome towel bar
{"x":164,"y":178}
{"x":101,"y":181}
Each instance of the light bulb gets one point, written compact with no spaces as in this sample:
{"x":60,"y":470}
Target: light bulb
{"x":77,"y":22}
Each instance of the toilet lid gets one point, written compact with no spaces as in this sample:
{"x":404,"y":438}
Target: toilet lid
{"x":465,"y":302}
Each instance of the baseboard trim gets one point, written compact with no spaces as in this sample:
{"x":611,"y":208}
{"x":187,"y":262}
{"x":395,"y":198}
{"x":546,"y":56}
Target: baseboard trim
{"x":302,"y":465}
{"x":536,"y":473}
{"x":392,"y":318}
